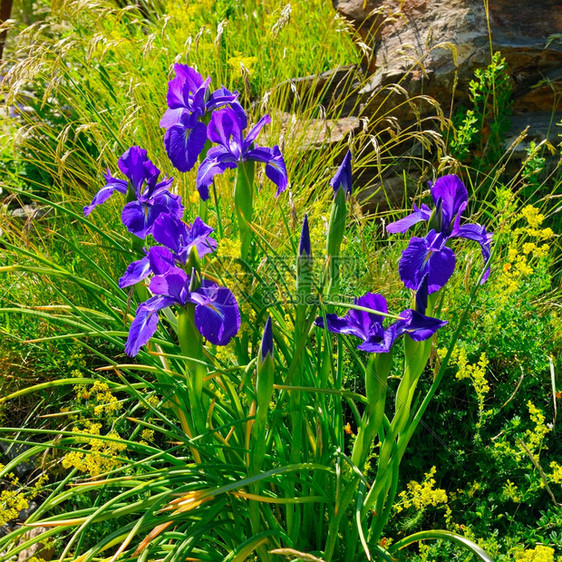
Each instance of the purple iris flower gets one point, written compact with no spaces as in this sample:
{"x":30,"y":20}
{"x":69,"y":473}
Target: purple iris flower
{"x":153,"y":198}
{"x":266,"y":347}
{"x":305,"y":249}
{"x":343,"y":178}
{"x":430,"y":256}
{"x":179,"y":239}
{"x":189,"y":100}
{"x":216,"y":315}
{"x":226,"y":129}
{"x":368,"y":326}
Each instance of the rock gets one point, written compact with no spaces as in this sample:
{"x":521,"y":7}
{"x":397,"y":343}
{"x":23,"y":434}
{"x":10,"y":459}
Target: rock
{"x":315,"y":133}
{"x":328,"y":93}
{"x":31,"y":212}
{"x":39,"y":549}
{"x":331,"y":89}
{"x":427,"y":45}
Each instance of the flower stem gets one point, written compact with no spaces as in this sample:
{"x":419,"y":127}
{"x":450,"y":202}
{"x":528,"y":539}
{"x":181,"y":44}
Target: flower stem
{"x":191,"y":345}
{"x":244,"y":205}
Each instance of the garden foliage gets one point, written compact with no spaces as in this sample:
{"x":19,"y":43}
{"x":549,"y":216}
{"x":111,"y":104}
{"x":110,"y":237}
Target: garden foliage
{"x":172,"y":385}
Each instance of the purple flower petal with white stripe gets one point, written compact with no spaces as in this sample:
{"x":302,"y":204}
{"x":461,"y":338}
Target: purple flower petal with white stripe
{"x":217,"y":161}
{"x":430,"y":255}
{"x":418,"y":326}
{"x":135,"y":273}
{"x":174,"y":283}
{"x":189,"y":100}
{"x":422,"y":214}
{"x":420,"y":258}
{"x":368,"y":326}
{"x":184,"y":143}
{"x":152,"y":197}
{"x":139,"y":216}
{"x":181,"y":237}
{"x":217,"y":315}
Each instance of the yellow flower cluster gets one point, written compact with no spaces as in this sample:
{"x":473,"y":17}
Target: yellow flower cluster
{"x":103,"y":453}
{"x":240,"y":64}
{"x":419,"y":496}
{"x":538,"y":554}
{"x":147,"y":434}
{"x":534,"y":438}
{"x":153,"y":400}
{"x":521,"y":252}
{"x":556,"y":475}
{"x":106,"y":402}
{"x":101,"y":399}
{"x":191,"y":15}
{"x":227,"y":248}
{"x":11,"y":503}
{"x":14,"y":501}
{"x":476,"y":373}
{"x":511,"y":492}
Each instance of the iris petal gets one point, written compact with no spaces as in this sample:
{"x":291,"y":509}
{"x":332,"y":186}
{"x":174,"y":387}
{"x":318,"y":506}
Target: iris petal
{"x":477,"y":233}
{"x":145,"y":323}
{"x":417,"y":326}
{"x":217,"y":161}
{"x":112,"y":185}
{"x":131,"y":165}
{"x":161,"y":260}
{"x":217,"y":315}
{"x":136,"y":272}
{"x":225,"y":128}
{"x":139,"y":217}
{"x":358,"y":323}
{"x":275,"y":165}
{"x":453,"y":194}
{"x":184,"y":144}
{"x":404,"y":224}
{"x":173,"y":284}
{"x":418,"y":260}
{"x":254,"y":132}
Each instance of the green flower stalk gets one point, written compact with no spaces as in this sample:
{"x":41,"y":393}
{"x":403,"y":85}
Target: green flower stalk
{"x":244,"y":205}
{"x":264,"y":392}
{"x":341,"y":184}
{"x":191,"y":345}
{"x":376,"y":382}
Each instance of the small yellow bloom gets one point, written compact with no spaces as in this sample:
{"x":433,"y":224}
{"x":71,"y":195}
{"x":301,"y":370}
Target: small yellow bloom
{"x":538,"y":554}
{"x":147,"y":434}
